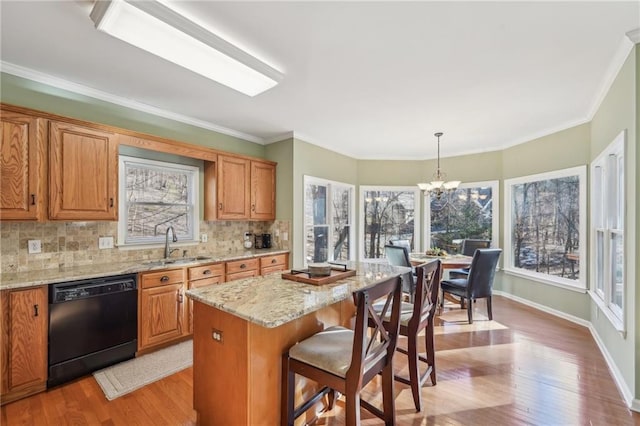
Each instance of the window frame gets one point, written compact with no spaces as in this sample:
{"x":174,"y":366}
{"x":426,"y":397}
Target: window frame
{"x":608,"y":222}
{"x":193,"y":173}
{"x":495,"y":211}
{"x":579,"y":285}
{"x":416,"y":222}
{"x":330,"y":184}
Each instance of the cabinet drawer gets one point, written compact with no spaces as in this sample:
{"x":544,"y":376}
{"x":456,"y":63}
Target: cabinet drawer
{"x":206,"y":281}
{"x":155,"y":279}
{"x":242,"y":266}
{"x":206,"y":271}
{"x":278,"y":259}
{"x":240,"y":275}
{"x":272,"y":269}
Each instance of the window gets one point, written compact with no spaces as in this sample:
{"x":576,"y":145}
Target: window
{"x":545,"y":227}
{"x":469,"y":212}
{"x":328,"y":220}
{"x":388,"y":213}
{"x":607,"y":231}
{"x":153,"y":196}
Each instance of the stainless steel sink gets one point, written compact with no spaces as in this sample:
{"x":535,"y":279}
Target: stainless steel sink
{"x":176,"y":261}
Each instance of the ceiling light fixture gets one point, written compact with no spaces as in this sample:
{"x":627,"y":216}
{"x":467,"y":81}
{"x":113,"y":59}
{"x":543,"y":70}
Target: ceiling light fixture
{"x":156,"y":28}
{"x":438,"y":185}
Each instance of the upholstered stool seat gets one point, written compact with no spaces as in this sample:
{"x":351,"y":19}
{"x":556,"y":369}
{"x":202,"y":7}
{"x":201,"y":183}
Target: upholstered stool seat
{"x":344,"y":360}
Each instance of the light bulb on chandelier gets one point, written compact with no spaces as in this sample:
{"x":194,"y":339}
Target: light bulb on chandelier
{"x":439,"y":184}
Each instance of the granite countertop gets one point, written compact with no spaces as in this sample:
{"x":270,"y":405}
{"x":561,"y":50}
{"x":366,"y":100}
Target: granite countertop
{"x":15,"y":280}
{"x":271,"y":301}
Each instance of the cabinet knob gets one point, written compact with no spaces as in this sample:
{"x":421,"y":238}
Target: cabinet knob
{"x":220,"y":206}
{"x":35,"y":310}
{"x":273,"y":260}
{"x":164,"y":278}
{"x":253,"y":207}
{"x":243,"y":266}
{"x":33,"y":199}
{"x":206,"y":272}
{"x":111,"y":202}
{"x":180,"y":297}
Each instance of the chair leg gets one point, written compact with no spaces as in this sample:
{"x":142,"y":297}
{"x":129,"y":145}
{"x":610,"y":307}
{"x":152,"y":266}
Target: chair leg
{"x":430,"y":350}
{"x":489,"y":311}
{"x":352,"y":406}
{"x":331,"y":399}
{"x":388,"y":397}
{"x":470,"y":311}
{"x":288,"y":393}
{"x":414,"y":373}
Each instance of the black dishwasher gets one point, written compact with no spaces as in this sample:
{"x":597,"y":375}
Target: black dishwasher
{"x":93,"y":323}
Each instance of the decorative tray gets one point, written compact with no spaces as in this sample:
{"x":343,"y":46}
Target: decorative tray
{"x":338,"y":272}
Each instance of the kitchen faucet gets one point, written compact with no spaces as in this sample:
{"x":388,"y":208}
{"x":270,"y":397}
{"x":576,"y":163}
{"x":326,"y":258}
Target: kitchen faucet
{"x":167,"y":250}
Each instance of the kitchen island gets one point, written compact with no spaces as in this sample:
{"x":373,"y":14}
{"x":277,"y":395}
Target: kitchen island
{"x":242,"y":328}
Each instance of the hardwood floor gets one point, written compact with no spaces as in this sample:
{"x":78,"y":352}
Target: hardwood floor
{"x":525,"y":367}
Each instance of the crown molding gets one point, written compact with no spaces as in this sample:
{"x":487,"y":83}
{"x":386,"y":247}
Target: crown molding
{"x":80,"y":89}
{"x":634,"y":35}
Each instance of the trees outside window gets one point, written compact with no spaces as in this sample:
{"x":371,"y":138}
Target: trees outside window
{"x":607,"y":231}
{"x":388,"y":213}
{"x":328,"y":220}
{"x":545,"y":226}
{"x":153,"y":196}
{"x":467,"y":212}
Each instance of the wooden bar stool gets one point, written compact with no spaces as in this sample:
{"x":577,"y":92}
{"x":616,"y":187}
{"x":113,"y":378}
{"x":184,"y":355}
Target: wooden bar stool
{"x":345,"y":360}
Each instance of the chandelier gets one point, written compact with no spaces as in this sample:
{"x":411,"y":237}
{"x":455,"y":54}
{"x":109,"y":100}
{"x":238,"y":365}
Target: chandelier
{"x":439,"y":184}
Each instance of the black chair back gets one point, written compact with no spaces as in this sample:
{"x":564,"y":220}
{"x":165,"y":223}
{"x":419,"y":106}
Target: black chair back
{"x":482,"y":272}
{"x":470,"y":246}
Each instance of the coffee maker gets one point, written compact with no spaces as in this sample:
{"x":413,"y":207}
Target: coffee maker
{"x":266,"y":240}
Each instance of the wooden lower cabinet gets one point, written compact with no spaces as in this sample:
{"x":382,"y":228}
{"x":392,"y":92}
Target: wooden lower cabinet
{"x":202,"y":276}
{"x":161,"y":310}
{"x":23,"y":342}
{"x":245,"y":268}
{"x":273,"y":264}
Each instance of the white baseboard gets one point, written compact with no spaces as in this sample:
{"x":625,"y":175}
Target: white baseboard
{"x":627,"y":394}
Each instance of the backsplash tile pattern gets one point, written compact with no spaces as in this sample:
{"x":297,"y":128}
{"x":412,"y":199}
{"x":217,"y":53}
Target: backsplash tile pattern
{"x":68,"y":244}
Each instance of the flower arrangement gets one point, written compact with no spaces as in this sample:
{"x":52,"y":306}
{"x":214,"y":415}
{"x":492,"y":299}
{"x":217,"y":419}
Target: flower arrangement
{"x":435,"y":251}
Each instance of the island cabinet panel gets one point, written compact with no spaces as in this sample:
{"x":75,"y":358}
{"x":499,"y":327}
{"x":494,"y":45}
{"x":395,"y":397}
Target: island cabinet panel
{"x":22,"y":167}
{"x":83,"y":173}
{"x":162,"y":312}
{"x":263,"y":191}
{"x":23,"y":354}
{"x":232,"y":180}
{"x":238,"y":377}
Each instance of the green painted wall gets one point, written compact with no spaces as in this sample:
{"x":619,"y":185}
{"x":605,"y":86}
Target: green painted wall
{"x":26,"y":93}
{"x":619,"y":111}
{"x":282,"y":153}
{"x":314,"y":161}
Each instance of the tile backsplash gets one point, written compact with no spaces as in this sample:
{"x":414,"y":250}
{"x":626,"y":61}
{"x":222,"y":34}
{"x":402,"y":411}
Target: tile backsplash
{"x":68,"y":244}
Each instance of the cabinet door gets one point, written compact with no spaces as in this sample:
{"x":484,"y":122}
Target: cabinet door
{"x":24,"y":342}
{"x":232,"y":187}
{"x":197,"y":284}
{"x":22,"y":167}
{"x":263,"y":191}
{"x":83,"y":173}
{"x":161,"y":314}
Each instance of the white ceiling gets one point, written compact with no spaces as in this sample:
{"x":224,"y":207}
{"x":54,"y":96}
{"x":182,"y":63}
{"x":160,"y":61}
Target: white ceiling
{"x":372,"y":80}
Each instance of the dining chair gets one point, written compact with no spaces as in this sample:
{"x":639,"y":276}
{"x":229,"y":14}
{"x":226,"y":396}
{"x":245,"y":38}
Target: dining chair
{"x":469,"y":247}
{"x":398,"y":255}
{"x":415,"y":318}
{"x":344,"y":360}
{"x":478,"y":284}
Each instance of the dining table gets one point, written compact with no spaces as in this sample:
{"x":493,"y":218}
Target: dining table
{"x":451,"y":261}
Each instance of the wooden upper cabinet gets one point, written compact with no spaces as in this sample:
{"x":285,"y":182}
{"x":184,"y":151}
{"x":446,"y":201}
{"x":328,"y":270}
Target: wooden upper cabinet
{"x":263,"y":191}
{"x":83,"y":173}
{"x":233,"y":178}
{"x":23,"y":342}
{"x":22,"y":167}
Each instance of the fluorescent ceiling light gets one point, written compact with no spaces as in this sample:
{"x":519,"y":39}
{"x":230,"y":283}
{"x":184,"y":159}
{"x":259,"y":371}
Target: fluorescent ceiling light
{"x":154,"y":27}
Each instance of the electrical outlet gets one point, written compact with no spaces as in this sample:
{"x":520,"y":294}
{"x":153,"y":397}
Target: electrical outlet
{"x":105,"y":242}
{"x":285,"y":236}
{"x":34,"y":246}
{"x":204,"y":238}
{"x":216,"y":335}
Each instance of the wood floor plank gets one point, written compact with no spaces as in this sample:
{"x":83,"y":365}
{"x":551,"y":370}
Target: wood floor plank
{"x":525,"y":367}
